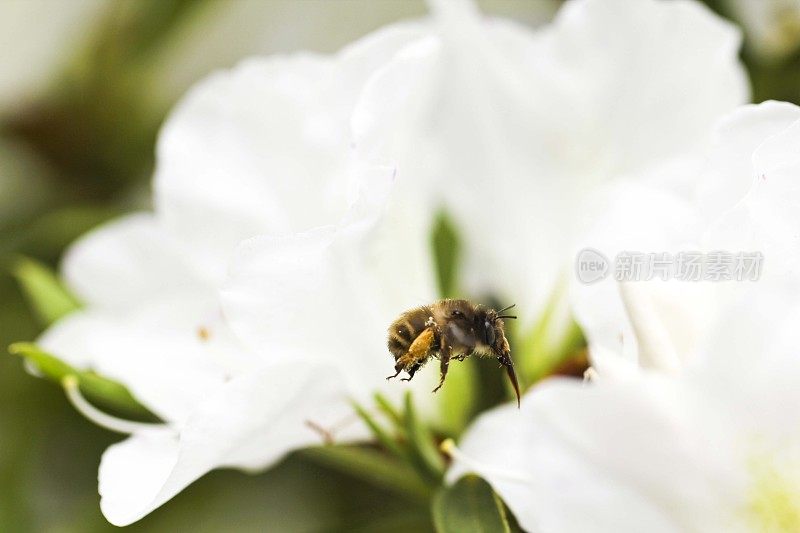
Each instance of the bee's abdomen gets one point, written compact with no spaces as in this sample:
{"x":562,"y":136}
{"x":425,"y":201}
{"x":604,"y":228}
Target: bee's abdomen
{"x":405,"y":329}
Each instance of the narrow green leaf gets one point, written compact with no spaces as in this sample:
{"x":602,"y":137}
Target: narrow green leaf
{"x":389,"y":410}
{"x":101,"y":391}
{"x":470,"y":505}
{"x":458,"y":397}
{"x":423,"y":447}
{"x":45,"y":293}
{"x":571,"y":340}
{"x":383,"y":437}
{"x":372,"y":466}
{"x":553,"y":338}
{"x":542,"y":352}
{"x":446,"y":254}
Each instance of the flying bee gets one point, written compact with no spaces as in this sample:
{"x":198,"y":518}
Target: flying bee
{"x":449,"y":329}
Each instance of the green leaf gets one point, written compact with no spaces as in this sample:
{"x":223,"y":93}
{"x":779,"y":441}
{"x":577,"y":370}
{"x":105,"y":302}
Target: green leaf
{"x":446,"y":253}
{"x":458,"y":397}
{"x":383,"y":437}
{"x":371,"y":466}
{"x":100,"y":391}
{"x":424,"y":451}
{"x":44,"y":291}
{"x":542,"y":352}
{"x":46,"y":236}
{"x":553,"y":339}
{"x":416,"y":520}
{"x":470,"y":505}
{"x":389,"y":410}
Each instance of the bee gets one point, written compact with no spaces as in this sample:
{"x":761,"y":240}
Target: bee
{"x":449,"y":329}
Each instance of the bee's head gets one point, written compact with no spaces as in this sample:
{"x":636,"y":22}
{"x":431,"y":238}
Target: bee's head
{"x":493,"y":329}
{"x":491,"y":326}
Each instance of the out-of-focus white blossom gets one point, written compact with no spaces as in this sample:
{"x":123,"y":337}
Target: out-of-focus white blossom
{"x":714,"y":450}
{"x":712,"y":446}
{"x":222,"y":31}
{"x":514,"y":129}
{"x":740,"y":196}
{"x":260,"y":150}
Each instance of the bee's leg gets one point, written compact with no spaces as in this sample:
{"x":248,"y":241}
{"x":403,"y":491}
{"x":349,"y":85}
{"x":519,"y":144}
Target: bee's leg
{"x":411,"y":372}
{"x":399,"y":369}
{"x":444,"y":362}
{"x":417,"y":354}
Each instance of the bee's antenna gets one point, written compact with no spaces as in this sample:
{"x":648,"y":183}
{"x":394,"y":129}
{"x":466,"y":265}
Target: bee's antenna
{"x":507,"y":316}
{"x":506,"y":308}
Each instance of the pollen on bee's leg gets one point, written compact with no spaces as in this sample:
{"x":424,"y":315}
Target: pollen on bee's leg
{"x":104,"y":420}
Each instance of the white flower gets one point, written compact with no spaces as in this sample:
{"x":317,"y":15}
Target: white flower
{"x":256,"y":179}
{"x":711,"y":446}
{"x":325,"y":295}
{"x":514,"y":129}
{"x":716,"y":450}
{"x":260,"y":150}
{"x":740,"y":197}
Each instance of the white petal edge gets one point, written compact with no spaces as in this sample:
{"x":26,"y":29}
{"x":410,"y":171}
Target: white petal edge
{"x":265,"y":147}
{"x":249,"y":423}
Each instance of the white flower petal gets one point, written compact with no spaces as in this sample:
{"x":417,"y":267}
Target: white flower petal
{"x":163,"y":353}
{"x":125,"y":262}
{"x":731,"y":170}
{"x":714,"y":450}
{"x":613,"y":450}
{"x":727,"y":207}
{"x":512,"y":129}
{"x":328,"y":295}
{"x":132,"y":471}
{"x":775,"y":198}
{"x":630,"y":78}
{"x":756,"y":155}
{"x":251,"y":422}
{"x":629,"y":217}
{"x":264,"y":148}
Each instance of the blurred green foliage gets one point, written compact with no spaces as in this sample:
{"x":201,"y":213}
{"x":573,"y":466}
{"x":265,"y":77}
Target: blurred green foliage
{"x":771,"y":78}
